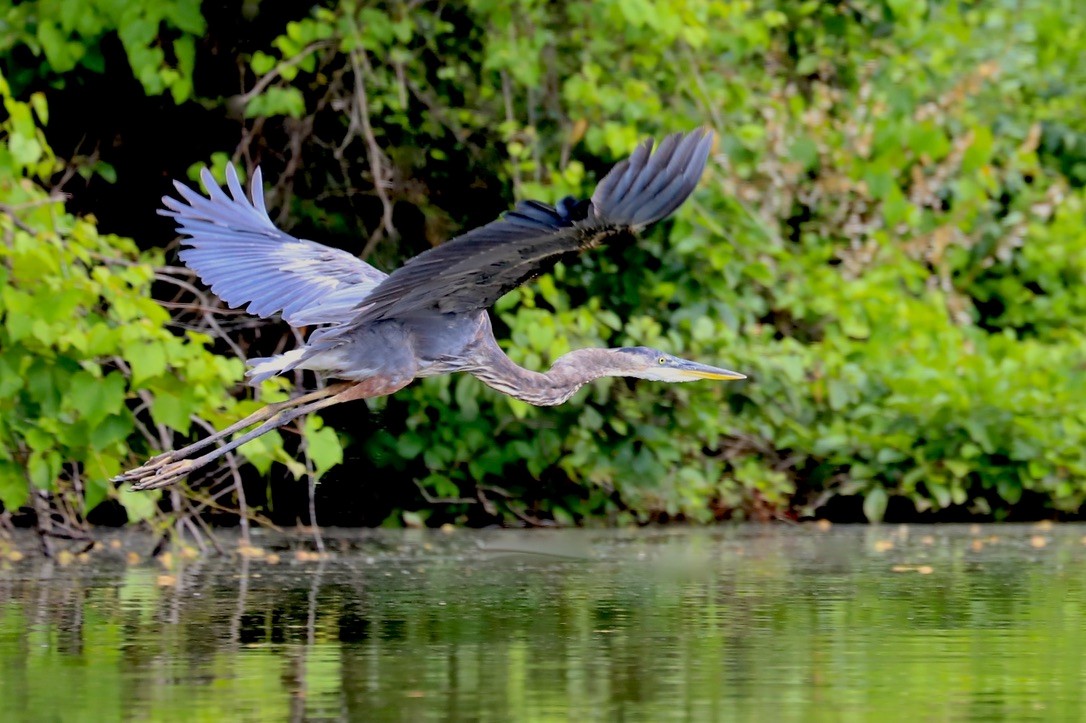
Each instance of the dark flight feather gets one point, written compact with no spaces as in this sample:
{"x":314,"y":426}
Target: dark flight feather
{"x":471,"y":272}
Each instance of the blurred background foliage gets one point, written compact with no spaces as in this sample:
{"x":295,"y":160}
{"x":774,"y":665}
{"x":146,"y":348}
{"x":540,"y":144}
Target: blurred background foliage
{"x":890,"y":241}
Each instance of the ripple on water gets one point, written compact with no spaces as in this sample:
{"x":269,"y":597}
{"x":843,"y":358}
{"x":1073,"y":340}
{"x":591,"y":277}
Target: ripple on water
{"x":738,"y":622}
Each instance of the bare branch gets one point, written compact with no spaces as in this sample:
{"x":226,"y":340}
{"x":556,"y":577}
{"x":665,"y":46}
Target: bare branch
{"x":268,"y":78}
{"x":380,"y":167}
{"x":205,"y":303}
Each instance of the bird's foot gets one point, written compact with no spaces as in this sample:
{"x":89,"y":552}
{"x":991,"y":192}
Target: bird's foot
{"x":160,"y":471}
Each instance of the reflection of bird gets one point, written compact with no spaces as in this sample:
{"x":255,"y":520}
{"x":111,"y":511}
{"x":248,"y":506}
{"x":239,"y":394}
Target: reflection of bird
{"x":378,"y":332}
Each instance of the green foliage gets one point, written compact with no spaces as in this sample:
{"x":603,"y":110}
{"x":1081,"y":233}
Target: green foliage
{"x":85,"y":352}
{"x":80,"y":337}
{"x":890,"y":242}
{"x":882,"y":246}
{"x":159,"y":37}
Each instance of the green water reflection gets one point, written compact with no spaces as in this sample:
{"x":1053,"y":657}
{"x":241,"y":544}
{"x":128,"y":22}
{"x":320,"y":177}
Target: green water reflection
{"x":742,"y":623}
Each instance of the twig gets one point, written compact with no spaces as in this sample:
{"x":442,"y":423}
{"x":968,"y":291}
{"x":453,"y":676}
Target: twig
{"x":507,"y":97}
{"x":165,"y":439}
{"x":311,"y":477}
{"x":205,"y":302}
{"x":533,"y":122}
{"x":444,"y":500}
{"x":190,"y":306}
{"x":521,"y":515}
{"x":299,"y":130}
{"x":239,"y":488}
{"x":10,"y":211}
{"x":360,"y":64}
{"x":209,"y":533}
{"x":487,"y":504}
{"x":691,"y":69}
{"x":265,"y":80}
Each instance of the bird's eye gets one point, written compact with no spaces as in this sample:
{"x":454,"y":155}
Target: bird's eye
{"x":663,"y":360}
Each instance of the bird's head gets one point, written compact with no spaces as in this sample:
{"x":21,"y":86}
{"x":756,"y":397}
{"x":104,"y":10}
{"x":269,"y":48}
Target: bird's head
{"x":646,"y":363}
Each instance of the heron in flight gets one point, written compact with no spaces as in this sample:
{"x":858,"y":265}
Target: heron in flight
{"x":377,"y":332}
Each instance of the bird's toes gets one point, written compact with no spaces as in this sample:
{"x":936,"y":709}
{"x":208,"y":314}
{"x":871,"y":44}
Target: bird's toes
{"x":152,"y":467}
{"x":128,"y":476}
{"x":158,"y":459}
{"x":164,"y":476}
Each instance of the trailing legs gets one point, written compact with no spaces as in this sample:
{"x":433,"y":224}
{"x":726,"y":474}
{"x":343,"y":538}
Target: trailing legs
{"x":170,"y":467}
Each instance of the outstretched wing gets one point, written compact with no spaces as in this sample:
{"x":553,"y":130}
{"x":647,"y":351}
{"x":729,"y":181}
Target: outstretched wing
{"x":472,"y":271}
{"x":235,"y":248}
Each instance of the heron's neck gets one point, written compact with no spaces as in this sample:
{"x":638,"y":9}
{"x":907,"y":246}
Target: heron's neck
{"x":569,"y":373}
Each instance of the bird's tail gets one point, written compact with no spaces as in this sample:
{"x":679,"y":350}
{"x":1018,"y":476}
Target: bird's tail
{"x":261,"y":368}
{"x":648,"y":186}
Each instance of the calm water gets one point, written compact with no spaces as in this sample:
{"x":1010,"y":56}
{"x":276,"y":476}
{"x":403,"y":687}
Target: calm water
{"x":742,"y":623}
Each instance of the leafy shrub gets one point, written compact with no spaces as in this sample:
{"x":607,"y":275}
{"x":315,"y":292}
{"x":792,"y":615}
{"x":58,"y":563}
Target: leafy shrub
{"x":159,"y":38}
{"x":882,"y":246}
{"x":91,"y":375}
{"x":890,"y":241}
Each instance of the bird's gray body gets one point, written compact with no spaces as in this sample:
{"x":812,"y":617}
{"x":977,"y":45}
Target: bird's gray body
{"x":422,"y":346}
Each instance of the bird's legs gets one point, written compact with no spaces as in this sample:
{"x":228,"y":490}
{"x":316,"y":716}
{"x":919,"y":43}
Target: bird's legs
{"x":169,"y":467}
{"x":260,"y":415}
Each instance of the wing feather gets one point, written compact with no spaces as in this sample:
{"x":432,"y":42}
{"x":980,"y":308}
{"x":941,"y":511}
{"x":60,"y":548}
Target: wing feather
{"x":471,"y":272}
{"x":235,"y":248}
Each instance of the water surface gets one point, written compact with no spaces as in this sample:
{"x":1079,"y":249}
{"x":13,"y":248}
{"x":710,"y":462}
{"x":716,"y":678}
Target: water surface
{"x":737,"y":623}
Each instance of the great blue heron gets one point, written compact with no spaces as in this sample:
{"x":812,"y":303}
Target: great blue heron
{"x":378,"y":332}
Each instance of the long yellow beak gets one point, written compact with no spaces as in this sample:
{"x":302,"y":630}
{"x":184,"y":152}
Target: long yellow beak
{"x":704,"y":371}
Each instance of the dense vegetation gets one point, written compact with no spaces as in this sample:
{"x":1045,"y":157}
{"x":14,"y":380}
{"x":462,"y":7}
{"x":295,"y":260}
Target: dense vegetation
{"x":891,"y":242}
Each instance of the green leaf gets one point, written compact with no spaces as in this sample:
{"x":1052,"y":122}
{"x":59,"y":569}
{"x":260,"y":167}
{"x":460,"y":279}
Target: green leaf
{"x":10,"y":380}
{"x":95,"y":399}
{"x":43,"y":468}
{"x":940,"y":492}
{"x":184,"y":49}
{"x":98,"y":470}
{"x":262,"y":451}
{"x":805,"y":151}
{"x":262,"y":63}
{"x":322,"y":445}
{"x":466,"y":391}
{"x":61,"y":54}
{"x":186,"y":16}
{"x":171,"y":411}
{"x":14,"y":492}
{"x":111,"y":430}
{"x":25,"y":150}
{"x":1010,"y":490}
{"x":148,"y":360}
{"x":95,"y":492}
{"x":275,"y":100}
{"x":928,"y":139}
{"x":979,"y":151}
{"x":106,"y":172}
{"x":957,"y":467}
{"x":410,"y":445}
{"x":140,"y":506}
{"x":807,"y":65}
{"x":41,"y":107}
{"x":875,"y":502}
{"x":293,"y":465}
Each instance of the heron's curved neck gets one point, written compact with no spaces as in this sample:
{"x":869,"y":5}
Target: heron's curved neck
{"x":569,"y":373}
